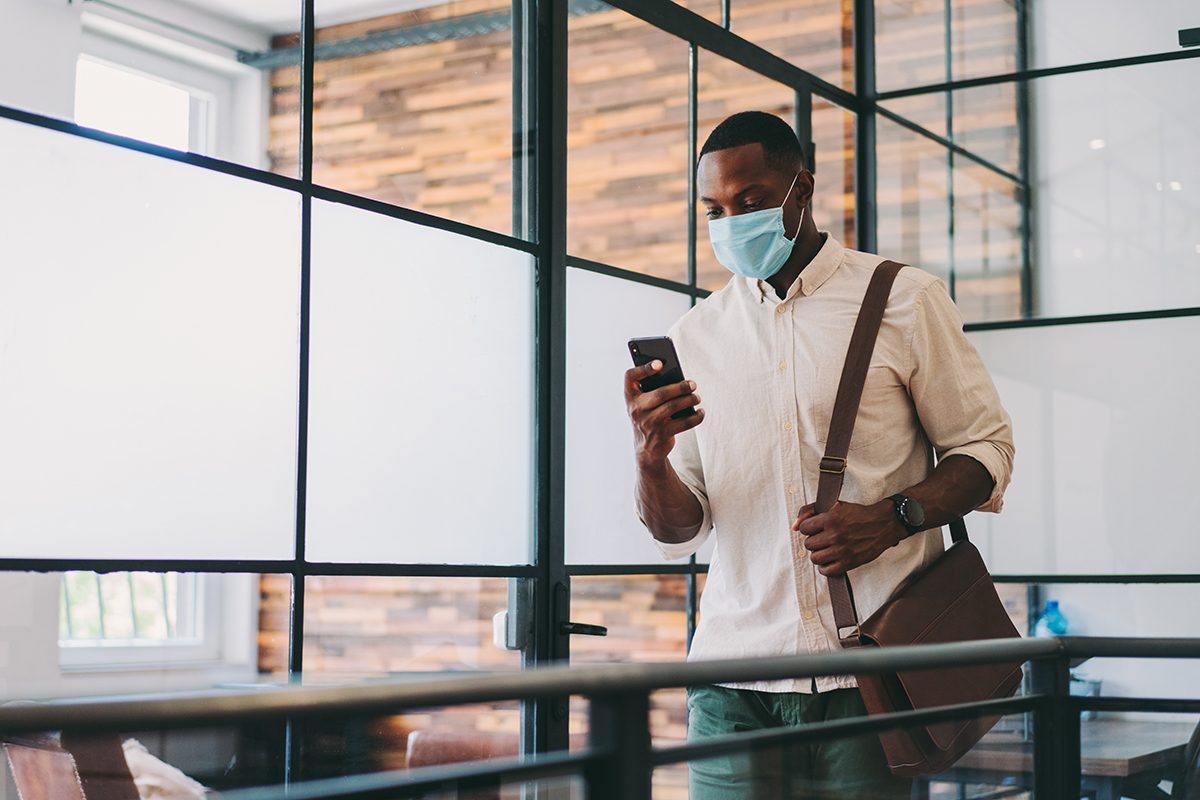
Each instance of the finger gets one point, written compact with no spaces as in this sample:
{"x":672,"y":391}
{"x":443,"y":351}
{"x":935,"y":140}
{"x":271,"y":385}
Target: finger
{"x":805,"y":512}
{"x":820,"y":542}
{"x":635,"y":375}
{"x":672,"y":407}
{"x":672,"y":427}
{"x":830,"y":570}
{"x":812,"y":525}
{"x":687,"y":423}
{"x":664,"y":394}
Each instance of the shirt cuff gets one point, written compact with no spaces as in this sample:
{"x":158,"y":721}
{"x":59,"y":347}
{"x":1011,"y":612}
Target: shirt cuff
{"x":674,"y":550}
{"x":997,"y":463}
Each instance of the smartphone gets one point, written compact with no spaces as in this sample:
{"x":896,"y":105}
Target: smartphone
{"x":663,"y":349}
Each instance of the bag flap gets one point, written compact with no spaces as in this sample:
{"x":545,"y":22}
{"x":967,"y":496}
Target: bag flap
{"x":928,"y":608}
{"x":954,"y":600}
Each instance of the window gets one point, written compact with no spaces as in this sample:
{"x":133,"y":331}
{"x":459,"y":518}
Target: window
{"x":118,"y":101}
{"x":128,"y":619}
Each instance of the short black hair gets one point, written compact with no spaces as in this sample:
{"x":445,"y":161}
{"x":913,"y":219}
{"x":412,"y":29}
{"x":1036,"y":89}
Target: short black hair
{"x":781,"y":148}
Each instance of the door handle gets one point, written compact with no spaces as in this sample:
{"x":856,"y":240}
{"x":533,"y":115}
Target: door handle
{"x":582,"y":629}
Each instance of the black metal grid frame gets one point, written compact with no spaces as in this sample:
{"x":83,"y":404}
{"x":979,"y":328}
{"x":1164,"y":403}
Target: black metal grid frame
{"x":539,"y":166}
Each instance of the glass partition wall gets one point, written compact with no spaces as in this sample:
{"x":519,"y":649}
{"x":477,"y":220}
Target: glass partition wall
{"x":357,"y":324}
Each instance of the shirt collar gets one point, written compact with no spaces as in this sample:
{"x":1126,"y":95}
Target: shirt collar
{"x":819,"y":270}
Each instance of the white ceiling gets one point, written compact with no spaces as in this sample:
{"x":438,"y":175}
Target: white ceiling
{"x":283,"y":16}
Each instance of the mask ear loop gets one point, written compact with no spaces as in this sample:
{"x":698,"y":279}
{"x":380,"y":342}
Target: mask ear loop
{"x":802,"y":210}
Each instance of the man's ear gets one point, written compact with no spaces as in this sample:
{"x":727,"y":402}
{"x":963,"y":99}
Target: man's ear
{"x":804,"y":188}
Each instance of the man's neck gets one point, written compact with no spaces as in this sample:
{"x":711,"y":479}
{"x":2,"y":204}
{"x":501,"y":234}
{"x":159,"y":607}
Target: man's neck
{"x":802,"y":255}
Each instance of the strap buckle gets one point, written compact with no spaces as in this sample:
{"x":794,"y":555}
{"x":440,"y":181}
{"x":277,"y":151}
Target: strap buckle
{"x":832,"y":468}
{"x":850,"y":636}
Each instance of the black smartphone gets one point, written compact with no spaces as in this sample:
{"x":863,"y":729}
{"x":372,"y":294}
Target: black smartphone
{"x":663,"y":349}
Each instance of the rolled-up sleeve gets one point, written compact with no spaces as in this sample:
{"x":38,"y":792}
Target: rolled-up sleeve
{"x":954,"y":395}
{"x":685,"y":460}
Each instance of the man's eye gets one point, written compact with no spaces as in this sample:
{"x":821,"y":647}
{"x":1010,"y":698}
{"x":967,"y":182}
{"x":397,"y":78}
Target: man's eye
{"x":713,"y":213}
{"x":752,"y":205}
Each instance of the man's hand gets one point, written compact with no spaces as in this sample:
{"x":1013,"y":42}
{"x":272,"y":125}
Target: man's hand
{"x":654,"y":430}
{"x":669,"y":509}
{"x":848,"y":535}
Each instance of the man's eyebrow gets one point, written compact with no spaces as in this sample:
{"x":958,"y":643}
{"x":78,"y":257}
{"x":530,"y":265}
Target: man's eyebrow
{"x":752,"y":187}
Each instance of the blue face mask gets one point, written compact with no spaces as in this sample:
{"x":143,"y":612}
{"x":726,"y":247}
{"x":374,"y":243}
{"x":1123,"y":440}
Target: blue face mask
{"x":755,"y":244}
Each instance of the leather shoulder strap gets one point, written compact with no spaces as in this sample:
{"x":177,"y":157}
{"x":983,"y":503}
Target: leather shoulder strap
{"x":841,"y":427}
{"x":850,"y":388}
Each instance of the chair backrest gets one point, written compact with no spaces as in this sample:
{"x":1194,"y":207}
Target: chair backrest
{"x":1187,"y":785}
{"x":42,"y":773}
{"x":73,"y":767}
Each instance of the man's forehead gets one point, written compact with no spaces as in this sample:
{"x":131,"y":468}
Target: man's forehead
{"x":733,"y":168}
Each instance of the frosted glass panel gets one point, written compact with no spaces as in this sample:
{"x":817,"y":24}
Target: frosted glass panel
{"x":1117,"y":193}
{"x":1077,"y":31}
{"x":1106,"y":436}
{"x":148,"y":355}
{"x":603,"y":314}
{"x":421,"y":443}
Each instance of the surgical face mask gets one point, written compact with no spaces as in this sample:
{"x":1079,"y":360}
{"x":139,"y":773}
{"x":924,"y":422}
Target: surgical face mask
{"x":755,"y":244}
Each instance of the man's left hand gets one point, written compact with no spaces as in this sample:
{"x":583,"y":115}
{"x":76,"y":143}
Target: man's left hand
{"x":848,"y":535}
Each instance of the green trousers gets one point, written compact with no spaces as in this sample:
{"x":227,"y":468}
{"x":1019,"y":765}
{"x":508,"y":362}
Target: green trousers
{"x":852,"y":767}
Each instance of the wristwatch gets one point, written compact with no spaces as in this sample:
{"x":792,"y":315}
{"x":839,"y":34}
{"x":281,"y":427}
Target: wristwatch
{"x":910,"y":513}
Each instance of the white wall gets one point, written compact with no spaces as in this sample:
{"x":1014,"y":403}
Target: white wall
{"x":39,"y":43}
{"x":1141,"y":610}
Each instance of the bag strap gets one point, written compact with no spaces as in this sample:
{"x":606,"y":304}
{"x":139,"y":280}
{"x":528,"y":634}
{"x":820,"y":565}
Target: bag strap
{"x":850,"y":387}
{"x":841,"y":427}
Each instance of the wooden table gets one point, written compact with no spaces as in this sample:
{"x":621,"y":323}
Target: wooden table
{"x":1115,"y":754}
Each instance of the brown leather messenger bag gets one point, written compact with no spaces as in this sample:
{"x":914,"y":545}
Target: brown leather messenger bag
{"x":952,"y":600}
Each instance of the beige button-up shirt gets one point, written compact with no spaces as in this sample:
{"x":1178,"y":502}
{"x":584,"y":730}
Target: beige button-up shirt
{"x":767,"y":371}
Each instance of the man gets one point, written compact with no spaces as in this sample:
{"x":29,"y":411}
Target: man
{"x":767,"y":354}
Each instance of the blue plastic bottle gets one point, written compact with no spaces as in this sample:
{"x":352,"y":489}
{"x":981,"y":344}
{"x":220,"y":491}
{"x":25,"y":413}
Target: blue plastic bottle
{"x":1051,"y":622}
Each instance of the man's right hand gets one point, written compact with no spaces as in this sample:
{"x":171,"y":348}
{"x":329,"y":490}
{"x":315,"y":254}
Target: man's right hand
{"x":669,"y":509}
{"x":654,"y":429}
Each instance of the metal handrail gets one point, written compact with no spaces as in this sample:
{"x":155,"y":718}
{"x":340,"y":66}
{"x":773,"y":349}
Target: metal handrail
{"x":621,"y":693}
{"x":189,"y":709}
{"x":186,"y":709}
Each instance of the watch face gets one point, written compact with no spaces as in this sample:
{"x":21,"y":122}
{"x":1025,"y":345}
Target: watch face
{"x":913,"y":512}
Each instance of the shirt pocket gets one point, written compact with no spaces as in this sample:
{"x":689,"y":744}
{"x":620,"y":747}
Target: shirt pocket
{"x":884,"y":407}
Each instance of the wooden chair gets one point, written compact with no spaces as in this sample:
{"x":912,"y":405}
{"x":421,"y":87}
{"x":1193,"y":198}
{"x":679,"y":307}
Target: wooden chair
{"x":432,"y":748}
{"x":71,"y":767}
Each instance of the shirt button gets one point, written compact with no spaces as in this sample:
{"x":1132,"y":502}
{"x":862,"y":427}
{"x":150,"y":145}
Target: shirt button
{"x":779,"y":309}
{"x":806,"y":614}
{"x":787,"y":426}
{"x":783,"y":365}
{"x":791,"y":490}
